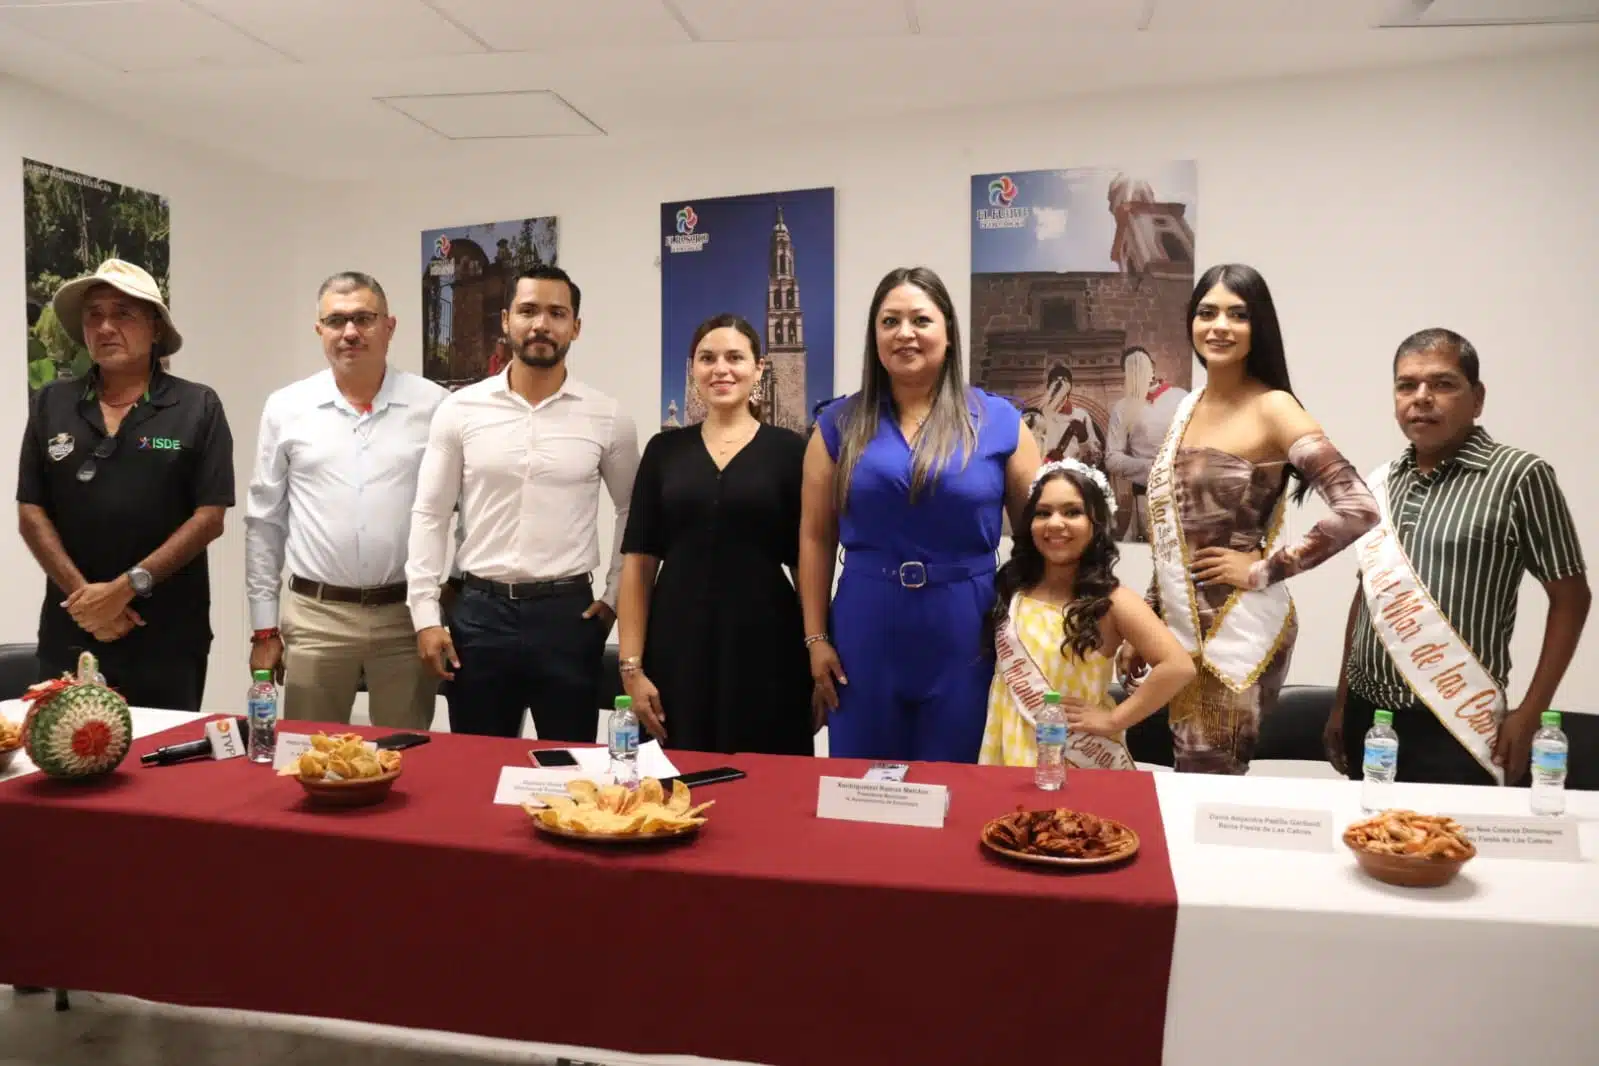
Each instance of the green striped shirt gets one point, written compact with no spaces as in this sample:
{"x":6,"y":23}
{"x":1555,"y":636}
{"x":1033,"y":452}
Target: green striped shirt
{"x":1471,"y":529}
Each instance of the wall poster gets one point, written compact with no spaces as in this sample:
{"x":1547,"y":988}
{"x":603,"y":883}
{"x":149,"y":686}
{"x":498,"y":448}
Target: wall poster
{"x":1080,"y":283}
{"x":72,"y":223}
{"x":467,"y":274}
{"x":768,"y":258}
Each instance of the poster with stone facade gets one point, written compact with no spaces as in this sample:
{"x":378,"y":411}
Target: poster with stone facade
{"x":467,"y":276}
{"x":768,"y":258}
{"x":1080,"y":285}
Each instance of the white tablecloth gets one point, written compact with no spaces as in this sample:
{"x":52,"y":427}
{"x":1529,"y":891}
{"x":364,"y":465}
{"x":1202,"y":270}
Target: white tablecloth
{"x":1290,"y":957}
{"x":1299,"y":957}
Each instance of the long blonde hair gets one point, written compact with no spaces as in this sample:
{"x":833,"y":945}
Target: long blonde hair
{"x":950,"y":426}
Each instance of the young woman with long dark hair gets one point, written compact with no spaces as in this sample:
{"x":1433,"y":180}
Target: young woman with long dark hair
{"x":1058,"y":618}
{"x":711,"y":639}
{"x":911,"y":475}
{"x":1238,"y":450}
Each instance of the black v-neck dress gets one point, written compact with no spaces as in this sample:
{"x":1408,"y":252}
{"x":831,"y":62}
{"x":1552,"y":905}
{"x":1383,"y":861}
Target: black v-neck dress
{"x":725,"y":644}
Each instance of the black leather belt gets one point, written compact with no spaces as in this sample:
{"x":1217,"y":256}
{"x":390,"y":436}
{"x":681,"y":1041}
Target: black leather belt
{"x":526,"y":590}
{"x":376,"y":596}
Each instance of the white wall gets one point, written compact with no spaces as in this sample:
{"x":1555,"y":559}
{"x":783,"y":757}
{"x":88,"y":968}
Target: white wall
{"x":1375,"y":205}
{"x":231,"y":281}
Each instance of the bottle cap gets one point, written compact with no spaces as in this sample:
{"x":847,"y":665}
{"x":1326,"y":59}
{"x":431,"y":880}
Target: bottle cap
{"x":1052,"y":697}
{"x":1550,"y":719}
{"x":261,"y":675}
{"x":1383,"y":717}
{"x":624,"y":703}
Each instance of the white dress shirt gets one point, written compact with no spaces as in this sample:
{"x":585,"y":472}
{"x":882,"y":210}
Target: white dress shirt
{"x":333,"y":487}
{"x":526,"y":479}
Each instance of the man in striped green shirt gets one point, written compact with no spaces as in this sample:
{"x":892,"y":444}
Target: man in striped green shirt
{"x":1472,"y":516}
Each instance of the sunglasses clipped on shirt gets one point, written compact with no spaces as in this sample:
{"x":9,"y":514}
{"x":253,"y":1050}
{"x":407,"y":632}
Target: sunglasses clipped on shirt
{"x":105,"y":450}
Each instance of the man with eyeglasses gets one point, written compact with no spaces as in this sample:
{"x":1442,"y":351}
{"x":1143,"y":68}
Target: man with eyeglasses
{"x":124,"y":479}
{"x":330,"y":501}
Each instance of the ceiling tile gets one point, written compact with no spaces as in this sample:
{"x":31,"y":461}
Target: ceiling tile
{"x":994,"y":18}
{"x":1446,"y":12}
{"x":553,"y":25}
{"x":742,"y":20}
{"x":1254,"y":16}
{"x":354,"y":31}
{"x":148,"y":35}
{"x":481,"y":116}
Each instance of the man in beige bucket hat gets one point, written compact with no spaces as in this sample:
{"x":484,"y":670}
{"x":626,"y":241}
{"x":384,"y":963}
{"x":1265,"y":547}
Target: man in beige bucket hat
{"x":125,"y":476}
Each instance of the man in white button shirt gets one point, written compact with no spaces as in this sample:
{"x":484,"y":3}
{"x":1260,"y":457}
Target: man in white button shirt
{"x":523,"y":454}
{"x":335,"y":476}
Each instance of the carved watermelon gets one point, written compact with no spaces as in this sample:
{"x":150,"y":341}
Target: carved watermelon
{"x":77,"y":726}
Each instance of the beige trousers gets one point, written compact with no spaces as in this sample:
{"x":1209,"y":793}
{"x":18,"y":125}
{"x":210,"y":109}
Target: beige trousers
{"x":327,"y":647}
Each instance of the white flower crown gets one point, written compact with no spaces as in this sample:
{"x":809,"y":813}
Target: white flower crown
{"x":1082,"y":469}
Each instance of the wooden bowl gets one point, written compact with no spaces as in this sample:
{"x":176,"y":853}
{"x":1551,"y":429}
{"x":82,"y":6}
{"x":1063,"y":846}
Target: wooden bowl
{"x":1409,"y":871}
{"x":356,"y":792}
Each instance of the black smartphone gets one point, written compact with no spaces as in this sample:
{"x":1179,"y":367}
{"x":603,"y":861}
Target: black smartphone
{"x":400,"y":741}
{"x":553,"y":757}
{"x":705,"y":777}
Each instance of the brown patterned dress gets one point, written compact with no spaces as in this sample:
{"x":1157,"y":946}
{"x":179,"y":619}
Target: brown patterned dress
{"x":1224,"y":501}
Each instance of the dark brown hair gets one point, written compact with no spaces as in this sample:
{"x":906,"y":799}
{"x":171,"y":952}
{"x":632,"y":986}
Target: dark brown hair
{"x":728,"y":320}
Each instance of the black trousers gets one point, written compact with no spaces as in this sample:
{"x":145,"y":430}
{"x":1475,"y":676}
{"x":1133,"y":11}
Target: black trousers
{"x":1428,"y":752}
{"x":536,"y":654}
{"x":168,"y":676}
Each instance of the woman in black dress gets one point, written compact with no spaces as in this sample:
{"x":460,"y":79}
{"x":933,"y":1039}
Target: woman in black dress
{"x":712,"y":641}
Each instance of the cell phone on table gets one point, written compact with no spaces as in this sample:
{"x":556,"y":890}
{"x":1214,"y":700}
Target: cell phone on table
{"x":552,"y":758}
{"x":400,"y":741}
{"x":705,"y":777}
{"x":886,"y":771}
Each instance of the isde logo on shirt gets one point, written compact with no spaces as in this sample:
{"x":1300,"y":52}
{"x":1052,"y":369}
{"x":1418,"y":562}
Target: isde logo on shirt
{"x":160,"y":444}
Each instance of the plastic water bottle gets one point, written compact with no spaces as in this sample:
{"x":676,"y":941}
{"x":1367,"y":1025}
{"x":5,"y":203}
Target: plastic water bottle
{"x":1380,"y":764}
{"x":1049,"y":773}
{"x":1549,"y":749}
{"x":624,"y":742}
{"x":263,"y":717}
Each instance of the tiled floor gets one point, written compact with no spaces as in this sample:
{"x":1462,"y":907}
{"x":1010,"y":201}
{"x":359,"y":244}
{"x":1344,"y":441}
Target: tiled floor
{"x":115,"y":1031}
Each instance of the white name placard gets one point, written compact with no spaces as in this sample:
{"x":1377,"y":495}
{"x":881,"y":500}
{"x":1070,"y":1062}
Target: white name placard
{"x":290,"y":746}
{"x":1229,"y":825}
{"x":888,"y":802}
{"x":523,"y":784}
{"x":1503,"y":836}
{"x":227,"y":742}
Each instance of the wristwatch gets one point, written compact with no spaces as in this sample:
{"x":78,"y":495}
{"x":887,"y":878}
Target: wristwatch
{"x":141,"y":581}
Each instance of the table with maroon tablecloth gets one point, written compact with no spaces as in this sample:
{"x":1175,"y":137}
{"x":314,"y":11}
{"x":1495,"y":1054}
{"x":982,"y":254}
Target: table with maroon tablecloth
{"x":772,"y":936}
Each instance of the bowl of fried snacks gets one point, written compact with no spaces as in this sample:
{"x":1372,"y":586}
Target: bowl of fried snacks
{"x":10,"y":742}
{"x":615,"y":814}
{"x":1060,"y":838}
{"x":1412,"y":850}
{"x":341,"y":771}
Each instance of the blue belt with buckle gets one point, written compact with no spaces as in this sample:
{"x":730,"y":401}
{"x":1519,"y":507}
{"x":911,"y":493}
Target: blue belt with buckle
{"x":914,"y":573}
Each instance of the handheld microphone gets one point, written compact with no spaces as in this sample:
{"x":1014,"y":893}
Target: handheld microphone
{"x":193,"y":749}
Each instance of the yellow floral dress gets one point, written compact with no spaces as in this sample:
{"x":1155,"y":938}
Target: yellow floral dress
{"x":1008,"y":737}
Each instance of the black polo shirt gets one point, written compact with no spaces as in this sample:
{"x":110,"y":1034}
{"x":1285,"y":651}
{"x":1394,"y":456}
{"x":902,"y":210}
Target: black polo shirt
{"x":173,"y":454}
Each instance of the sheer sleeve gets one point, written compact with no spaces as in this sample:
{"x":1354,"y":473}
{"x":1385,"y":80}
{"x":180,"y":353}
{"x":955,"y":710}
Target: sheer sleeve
{"x":1353,"y":506}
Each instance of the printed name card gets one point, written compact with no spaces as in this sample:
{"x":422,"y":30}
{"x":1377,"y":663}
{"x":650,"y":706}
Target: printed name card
{"x":1263,"y":827}
{"x":227,"y":742}
{"x":291,"y":746}
{"x":888,"y":802}
{"x":1503,"y":836}
{"x":523,"y":784}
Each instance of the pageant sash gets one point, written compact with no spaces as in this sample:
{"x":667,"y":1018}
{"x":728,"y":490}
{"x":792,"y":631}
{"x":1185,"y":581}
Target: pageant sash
{"x":1439,"y":666}
{"x":1027,"y":686}
{"x":1249,"y":627}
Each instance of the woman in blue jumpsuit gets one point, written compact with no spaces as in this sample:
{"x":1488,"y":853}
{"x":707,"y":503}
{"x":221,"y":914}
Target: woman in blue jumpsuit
{"x":911,"y":475}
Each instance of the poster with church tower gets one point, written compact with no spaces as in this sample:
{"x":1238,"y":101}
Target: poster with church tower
{"x":1080,"y":287}
{"x":768,"y":258}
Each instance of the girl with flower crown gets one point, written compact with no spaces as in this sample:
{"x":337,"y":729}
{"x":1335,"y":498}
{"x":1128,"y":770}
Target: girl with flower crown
{"x":1058,"y":620}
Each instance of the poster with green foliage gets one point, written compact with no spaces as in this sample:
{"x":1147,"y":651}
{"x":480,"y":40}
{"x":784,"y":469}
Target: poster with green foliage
{"x":71,"y":224}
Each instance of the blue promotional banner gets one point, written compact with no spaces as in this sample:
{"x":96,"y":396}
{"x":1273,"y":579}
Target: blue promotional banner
{"x":769,"y":259}
{"x":1080,"y":287}
{"x":467,"y":275}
